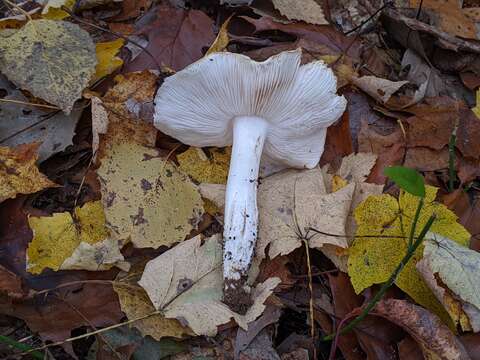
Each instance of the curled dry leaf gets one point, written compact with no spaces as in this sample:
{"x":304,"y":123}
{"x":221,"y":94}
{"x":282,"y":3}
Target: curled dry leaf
{"x":190,"y":287}
{"x":435,"y":338}
{"x":147,"y":200}
{"x":387,"y":223}
{"x":451,"y":271}
{"x":306,"y":10}
{"x":63,"y":241}
{"x":378,"y":88}
{"x":18,"y":172}
{"x":54,"y":60}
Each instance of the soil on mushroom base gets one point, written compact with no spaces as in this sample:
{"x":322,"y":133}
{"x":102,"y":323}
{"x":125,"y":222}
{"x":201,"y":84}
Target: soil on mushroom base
{"x":236,"y":297}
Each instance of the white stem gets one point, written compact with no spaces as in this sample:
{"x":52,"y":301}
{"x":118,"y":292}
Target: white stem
{"x":241,"y":214}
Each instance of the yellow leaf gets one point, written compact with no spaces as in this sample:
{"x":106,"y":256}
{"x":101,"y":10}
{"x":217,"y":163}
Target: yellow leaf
{"x":476,"y":109}
{"x":52,"y":9}
{"x":18,"y":172}
{"x":222,"y":40}
{"x":338,"y":183}
{"x":135,"y":303}
{"x":56,"y":237}
{"x":210,"y":168}
{"x":147,"y":199}
{"x":107,"y":61}
{"x":382,"y":238}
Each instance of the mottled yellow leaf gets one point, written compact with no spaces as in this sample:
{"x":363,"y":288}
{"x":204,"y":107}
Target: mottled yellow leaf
{"x":53,"y":11}
{"x":382,"y":239}
{"x":135,"y":303}
{"x":147,"y":199}
{"x":338,"y":183}
{"x":211,"y":167}
{"x":222,"y":40}
{"x":18,"y":172}
{"x":53,"y":60}
{"x":476,"y":109}
{"x":107,"y":61}
{"x":56,"y":237}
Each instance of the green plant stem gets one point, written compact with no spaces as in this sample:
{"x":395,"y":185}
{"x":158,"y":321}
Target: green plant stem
{"x":451,"y":160}
{"x":415,"y":221}
{"x":20,"y":346}
{"x":388,"y":283}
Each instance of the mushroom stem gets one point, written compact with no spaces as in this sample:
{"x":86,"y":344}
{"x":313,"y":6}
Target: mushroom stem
{"x":241,"y":214}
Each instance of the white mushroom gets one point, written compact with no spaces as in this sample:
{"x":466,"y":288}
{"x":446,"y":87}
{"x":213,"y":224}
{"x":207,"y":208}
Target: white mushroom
{"x":276,"y":107}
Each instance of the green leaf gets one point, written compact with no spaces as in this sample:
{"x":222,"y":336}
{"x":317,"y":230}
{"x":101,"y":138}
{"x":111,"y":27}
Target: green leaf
{"x":407,"y":179}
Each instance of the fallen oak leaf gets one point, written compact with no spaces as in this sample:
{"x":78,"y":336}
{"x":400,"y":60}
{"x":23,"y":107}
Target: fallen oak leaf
{"x":18,"y":172}
{"x":191,"y":287}
{"x":63,"y":60}
{"x":451,"y":271}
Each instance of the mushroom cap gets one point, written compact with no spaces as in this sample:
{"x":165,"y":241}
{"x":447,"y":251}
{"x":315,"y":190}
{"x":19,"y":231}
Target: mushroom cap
{"x":198,"y":104}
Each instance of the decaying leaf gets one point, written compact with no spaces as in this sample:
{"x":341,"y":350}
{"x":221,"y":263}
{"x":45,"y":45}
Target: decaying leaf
{"x":18,"y":172}
{"x":176,"y":37}
{"x":378,"y":88}
{"x":451,"y":271}
{"x":54,"y":60}
{"x":61,"y":241}
{"x":372,"y":259}
{"x":210,"y":167}
{"x":190,"y":287}
{"x":222,"y":40}
{"x":435,"y":339}
{"x":291,"y":202}
{"x":135,"y":303}
{"x":147,"y":200}
{"x":107,"y":59}
{"x":306,"y":10}
{"x":26,"y":124}
{"x":52,"y":9}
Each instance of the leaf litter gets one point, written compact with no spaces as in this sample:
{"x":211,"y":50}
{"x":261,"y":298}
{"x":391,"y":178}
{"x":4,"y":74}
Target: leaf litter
{"x":407,"y":98}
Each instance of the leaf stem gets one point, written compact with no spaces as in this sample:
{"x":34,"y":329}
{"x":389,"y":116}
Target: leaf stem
{"x":21,"y":346}
{"x":387,"y":284}
{"x":415,"y":221}
{"x":451,"y":159}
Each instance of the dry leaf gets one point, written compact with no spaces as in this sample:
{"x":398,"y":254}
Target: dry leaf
{"x":61,"y":241}
{"x":373,"y":259}
{"x":211,"y":168}
{"x":222,"y":40}
{"x":135,"y":303}
{"x":52,"y":9}
{"x":306,"y":10}
{"x":107,"y":61}
{"x":146,"y":199}
{"x":190,"y":287}
{"x":451,"y":271}
{"x":18,"y":172}
{"x":378,"y":88}
{"x":54,"y":60}
{"x":435,"y":339}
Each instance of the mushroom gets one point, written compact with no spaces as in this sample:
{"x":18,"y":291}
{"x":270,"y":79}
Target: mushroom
{"x":277,"y":108}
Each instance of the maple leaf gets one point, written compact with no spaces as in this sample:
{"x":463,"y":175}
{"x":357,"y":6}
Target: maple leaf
{"x":386,"y":223}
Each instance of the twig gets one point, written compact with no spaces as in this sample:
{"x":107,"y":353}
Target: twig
{"x":25,"y":13}
{"x":358,"y":27}
{"x":30,"y":104}
{"x":451,"y":159}
{"x":310,"y":287}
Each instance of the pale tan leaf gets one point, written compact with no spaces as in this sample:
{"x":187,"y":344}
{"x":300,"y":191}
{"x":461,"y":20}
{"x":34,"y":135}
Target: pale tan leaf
{"x":305,"y":10}
{"x":378,"y":88}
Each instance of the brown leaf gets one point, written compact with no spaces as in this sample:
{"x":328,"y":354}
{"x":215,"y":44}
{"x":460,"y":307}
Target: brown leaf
{"x":408,"y":349}
{"x":176,"y":37}
{"x":426,"y":328}
{"x":277,"y":267}
{"x":434,"y":121}
{"x":472,"y":344}
{"x":426,"y":159}
{"x":18,"y":172}
{"x":339,"y":141}
{"x":332,"y":39}
{"x":11,"y":284}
